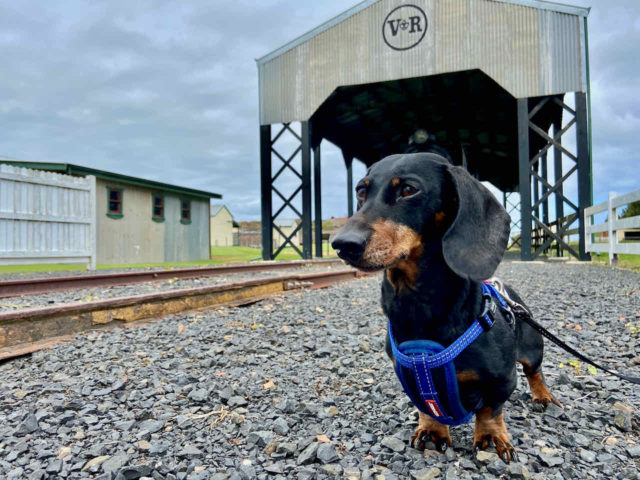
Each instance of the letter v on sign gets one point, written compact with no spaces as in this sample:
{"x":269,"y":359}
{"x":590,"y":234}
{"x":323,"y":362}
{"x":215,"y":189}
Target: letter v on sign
{"x":394,"y":28}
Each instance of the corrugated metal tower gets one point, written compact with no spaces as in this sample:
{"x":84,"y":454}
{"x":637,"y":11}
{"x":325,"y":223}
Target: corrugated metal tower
{"x":487,"y":78}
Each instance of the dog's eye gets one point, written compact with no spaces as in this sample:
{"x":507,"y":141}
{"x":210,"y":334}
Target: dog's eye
{"x":361,"y":193}
{"x":408,"y":190}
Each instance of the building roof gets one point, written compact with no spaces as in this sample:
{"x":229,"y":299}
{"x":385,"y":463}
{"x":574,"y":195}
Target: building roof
{"x":530,"y":48}
{"x":539,"y":4}
{"x":216,"y":209}
{"x":71,"y":169}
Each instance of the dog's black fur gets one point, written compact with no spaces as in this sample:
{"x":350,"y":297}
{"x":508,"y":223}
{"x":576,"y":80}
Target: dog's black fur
{"x":437,"y":232}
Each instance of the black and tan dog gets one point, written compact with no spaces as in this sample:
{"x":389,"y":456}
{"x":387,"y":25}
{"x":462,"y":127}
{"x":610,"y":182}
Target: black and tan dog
{"x":437,"y":233}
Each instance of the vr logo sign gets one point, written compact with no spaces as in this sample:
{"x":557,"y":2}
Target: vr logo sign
{"x":404,"y":27}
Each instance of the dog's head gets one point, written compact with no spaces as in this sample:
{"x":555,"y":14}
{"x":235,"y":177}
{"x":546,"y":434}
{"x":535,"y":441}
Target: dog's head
{"x":406,"y":201}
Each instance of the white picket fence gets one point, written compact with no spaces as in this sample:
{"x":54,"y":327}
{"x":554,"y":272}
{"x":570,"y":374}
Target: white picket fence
{"x":612,"y":225}
{"x":46,"y":217}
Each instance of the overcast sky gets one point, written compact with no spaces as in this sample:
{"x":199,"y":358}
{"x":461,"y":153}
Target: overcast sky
{"x":168,"y":90}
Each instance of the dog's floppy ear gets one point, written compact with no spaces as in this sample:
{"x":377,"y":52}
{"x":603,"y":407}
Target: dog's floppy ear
{"x":477,"y":238}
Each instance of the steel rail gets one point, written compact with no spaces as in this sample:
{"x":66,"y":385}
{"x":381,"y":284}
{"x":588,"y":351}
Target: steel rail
{"x":13,"y":288}
{"x":29,"y":330}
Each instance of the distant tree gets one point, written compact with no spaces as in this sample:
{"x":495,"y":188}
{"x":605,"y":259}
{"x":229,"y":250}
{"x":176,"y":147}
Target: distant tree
{"x":632,"y":210}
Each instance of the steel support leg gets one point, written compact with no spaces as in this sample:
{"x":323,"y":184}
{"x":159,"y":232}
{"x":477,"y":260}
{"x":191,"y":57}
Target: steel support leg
{"x":270,"y":150}
{"x":545,"y":174}
{"x":524,"y":179}
{"x":536,"y":240}
{"x":306,"y":190}
{"x":348,"y":161}
{"x":265,"y":192}
{"x":584,"y":169}
{"x":317,"y":198}
{"x":557,"y":172}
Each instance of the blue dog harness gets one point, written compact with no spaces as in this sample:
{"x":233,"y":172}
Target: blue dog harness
{"x":432,"y":391}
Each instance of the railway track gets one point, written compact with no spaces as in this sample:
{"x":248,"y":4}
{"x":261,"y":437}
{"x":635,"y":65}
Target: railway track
{"x":28,"y":330}
{"x":13,"y":288}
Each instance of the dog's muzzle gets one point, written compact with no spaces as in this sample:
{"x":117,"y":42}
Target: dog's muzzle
{"x":350,"y":245}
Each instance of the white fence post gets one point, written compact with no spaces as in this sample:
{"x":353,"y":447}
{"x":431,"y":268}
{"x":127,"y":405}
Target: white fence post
{"x":611,"y":217}
{"x":612,"y":226}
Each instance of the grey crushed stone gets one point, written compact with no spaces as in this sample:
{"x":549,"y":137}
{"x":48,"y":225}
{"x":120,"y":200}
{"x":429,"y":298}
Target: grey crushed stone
{"x":236,"y":396}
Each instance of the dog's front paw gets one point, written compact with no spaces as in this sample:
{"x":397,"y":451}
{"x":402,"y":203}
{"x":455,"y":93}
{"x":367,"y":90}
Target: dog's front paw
{"x":431,"y":430}
{"x":490,"y":428}
{"x":505,"y":450}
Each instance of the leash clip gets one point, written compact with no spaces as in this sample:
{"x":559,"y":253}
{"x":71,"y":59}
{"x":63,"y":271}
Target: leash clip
{"x":509,"y":316}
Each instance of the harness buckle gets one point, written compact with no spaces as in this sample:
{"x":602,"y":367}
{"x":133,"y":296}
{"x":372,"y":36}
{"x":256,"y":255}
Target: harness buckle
{"x":488,"y":314}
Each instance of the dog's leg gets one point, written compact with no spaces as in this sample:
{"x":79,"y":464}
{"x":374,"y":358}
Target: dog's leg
{"x":530,"y":353}
{"x":430,"y":429}
{"x":541,"y":397}
{"x":490,"y":428}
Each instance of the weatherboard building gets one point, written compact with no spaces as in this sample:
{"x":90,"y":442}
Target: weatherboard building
{"x":139,"y":220}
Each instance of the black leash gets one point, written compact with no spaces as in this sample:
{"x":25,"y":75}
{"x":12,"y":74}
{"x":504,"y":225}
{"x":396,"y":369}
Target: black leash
{"x":523,"y":314}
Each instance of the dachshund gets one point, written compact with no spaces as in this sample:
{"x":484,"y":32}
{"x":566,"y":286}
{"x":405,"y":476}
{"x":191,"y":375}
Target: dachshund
{"x":438,"y":233}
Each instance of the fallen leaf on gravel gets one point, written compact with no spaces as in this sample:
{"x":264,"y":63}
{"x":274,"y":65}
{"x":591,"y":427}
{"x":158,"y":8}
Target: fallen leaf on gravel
{"x":268,"y":385}
{"x":180,"y":328}
{"x":622,"y":407}
{"x":592,"y":370}
{"x":322,"y":438}
{"x":220,"y":374}
{"x":20,"y":394}
{"x":95,"y":461}
{"x":319,"y":310}
{"x":64,"y":452}
{"x":577,"y":327}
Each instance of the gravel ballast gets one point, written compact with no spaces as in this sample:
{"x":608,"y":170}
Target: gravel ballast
{"x":299,"y":387}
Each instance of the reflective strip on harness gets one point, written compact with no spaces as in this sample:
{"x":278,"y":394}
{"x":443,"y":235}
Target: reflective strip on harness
{"x":417,"y":361}
{"x":433,"y":406}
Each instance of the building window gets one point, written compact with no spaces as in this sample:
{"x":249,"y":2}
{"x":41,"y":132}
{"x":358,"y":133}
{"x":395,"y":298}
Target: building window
{"x":185,"y":212}
{"x":157,"y":207}
{"x":114,"y":202}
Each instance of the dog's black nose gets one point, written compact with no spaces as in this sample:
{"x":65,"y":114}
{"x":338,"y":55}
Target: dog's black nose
{"x":349,"y":245}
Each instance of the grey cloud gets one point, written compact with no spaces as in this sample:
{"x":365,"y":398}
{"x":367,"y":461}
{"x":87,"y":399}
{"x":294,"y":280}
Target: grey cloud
{"x":168,"y":90}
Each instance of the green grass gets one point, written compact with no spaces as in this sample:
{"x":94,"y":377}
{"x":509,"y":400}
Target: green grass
{"x":219,"y":255}
{"x":631,"y":262}
{"x":40,"y":268}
